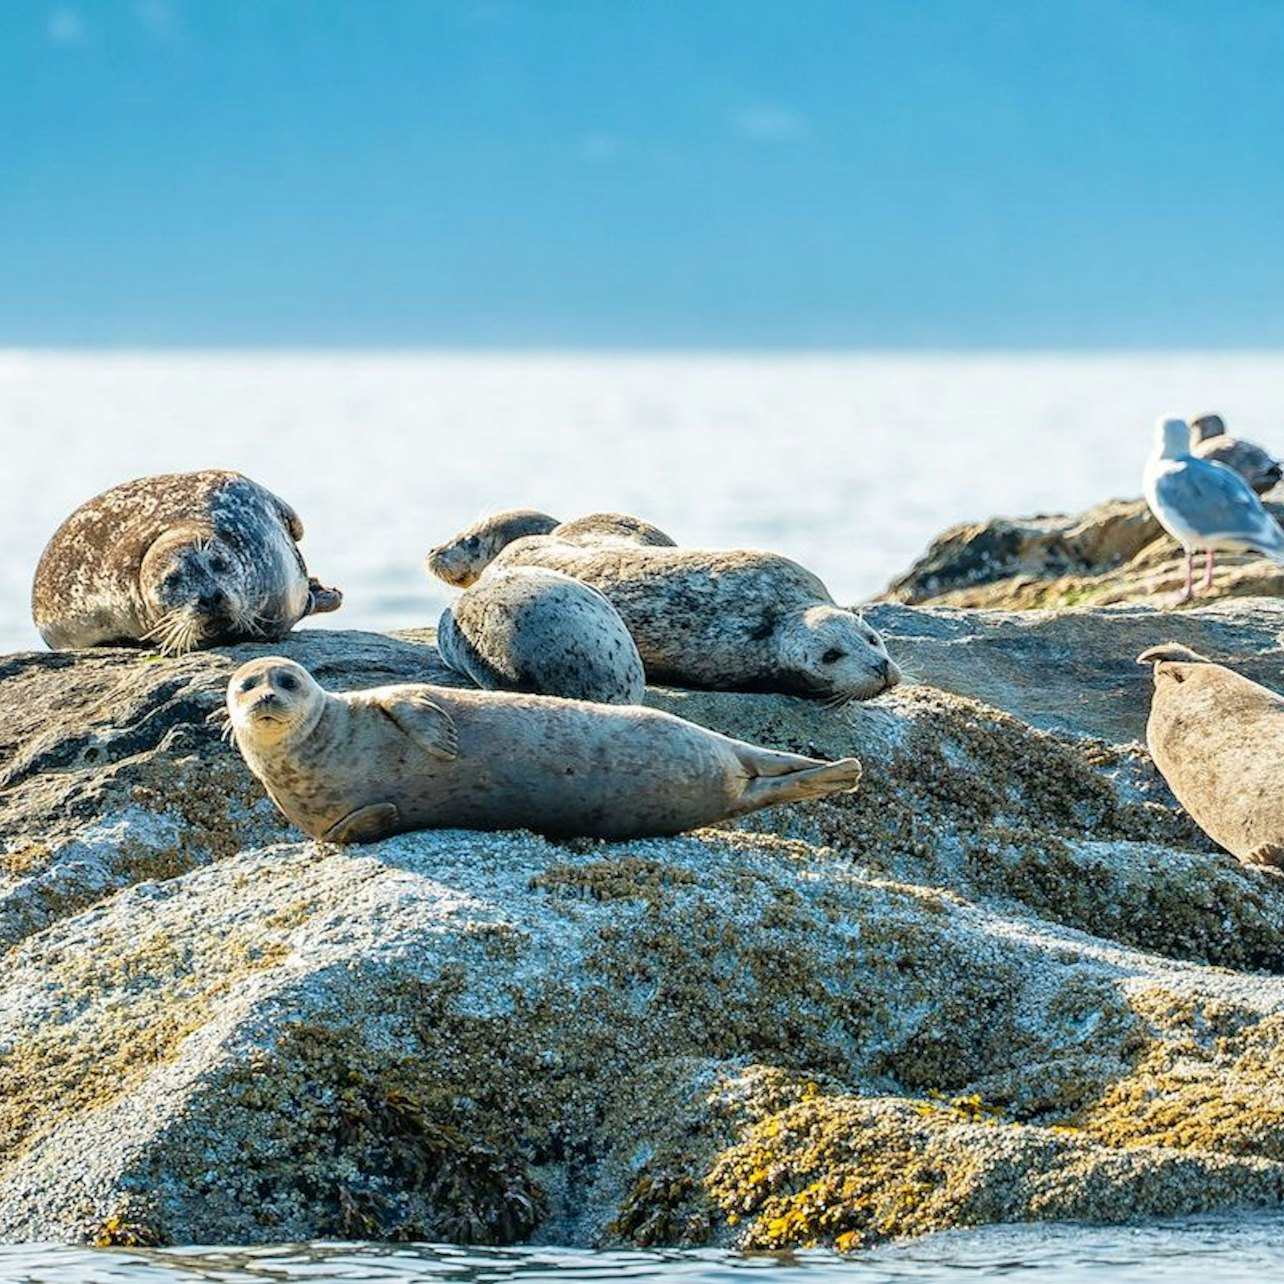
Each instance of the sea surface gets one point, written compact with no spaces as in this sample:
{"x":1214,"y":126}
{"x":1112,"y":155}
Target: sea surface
{"x":849,"y":463}
{"x":1221,"y":1249}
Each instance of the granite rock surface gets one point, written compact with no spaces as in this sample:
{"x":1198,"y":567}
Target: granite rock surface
{"x":1007,"y":979}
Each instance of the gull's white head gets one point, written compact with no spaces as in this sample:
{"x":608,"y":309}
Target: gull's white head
{"x":1172,"y":438}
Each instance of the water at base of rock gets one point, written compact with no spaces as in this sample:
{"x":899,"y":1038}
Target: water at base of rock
{"x":1227,"y":1248}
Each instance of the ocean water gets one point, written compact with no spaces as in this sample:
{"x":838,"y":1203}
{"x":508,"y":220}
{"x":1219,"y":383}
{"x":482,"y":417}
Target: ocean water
{"x":1224,"y":1249}
{"x":849,"y":463}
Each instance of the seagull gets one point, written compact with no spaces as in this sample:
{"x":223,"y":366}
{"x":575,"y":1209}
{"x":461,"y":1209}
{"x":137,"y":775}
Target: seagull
{"x":1205,"y":505}
{"x":1210,"y":440}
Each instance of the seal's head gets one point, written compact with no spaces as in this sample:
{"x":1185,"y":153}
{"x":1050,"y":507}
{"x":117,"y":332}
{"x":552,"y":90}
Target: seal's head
{"x":195,"y":588}
{"x":1204,"y":426}
{"x":272,"y":699}
{"x":1172,"y":662}
{"x":462,"y":559}
{"x":835,"y":656}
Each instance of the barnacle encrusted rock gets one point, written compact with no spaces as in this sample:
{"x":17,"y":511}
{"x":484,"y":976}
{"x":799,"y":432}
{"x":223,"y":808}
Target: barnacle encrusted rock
{"x":1007,"y":979}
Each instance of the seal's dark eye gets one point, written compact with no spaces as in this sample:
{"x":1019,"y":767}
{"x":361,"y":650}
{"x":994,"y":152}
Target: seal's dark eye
{"x":218,"y":565}
{"x":832,"y":656}
{"x":472,"y":544}
{"x":288,"y":682}
{"x":248,"y":684}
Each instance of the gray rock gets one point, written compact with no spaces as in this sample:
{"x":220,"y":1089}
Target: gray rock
{"x":1007,"y":979}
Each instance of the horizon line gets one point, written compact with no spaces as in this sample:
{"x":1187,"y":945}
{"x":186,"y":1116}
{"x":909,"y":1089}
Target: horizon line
{"x":8,"y":351}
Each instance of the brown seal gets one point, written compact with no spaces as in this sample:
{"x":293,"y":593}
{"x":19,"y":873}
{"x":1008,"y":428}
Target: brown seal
{"x":528,"y":629}
{"x":1217,"y":738}
{"x":363,"y":765}
{"x":726,"y":620}
{"x":180,"y":560}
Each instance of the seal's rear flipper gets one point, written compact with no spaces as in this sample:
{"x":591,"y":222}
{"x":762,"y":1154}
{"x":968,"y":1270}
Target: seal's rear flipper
{"x":321,"y":598}
{"x":1267,"y":854}
{"x":1172,"y":651}
{"x":365,"y":825}
{"x":842,"y":776}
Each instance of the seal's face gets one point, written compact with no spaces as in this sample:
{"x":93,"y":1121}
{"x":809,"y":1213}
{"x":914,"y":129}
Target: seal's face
{"x":837,"y":656}
{"x":461,"y":560}
{"x":271,"y":699}
{"x":195,"y":589}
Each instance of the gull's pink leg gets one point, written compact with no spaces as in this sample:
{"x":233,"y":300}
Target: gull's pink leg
{"x":1188,"y":592}
{"x":1208,"y":569}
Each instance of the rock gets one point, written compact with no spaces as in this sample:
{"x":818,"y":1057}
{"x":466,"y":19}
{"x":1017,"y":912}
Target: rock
{"x":1007,"y":979}
{"x":1075,"y":670}
{"x":1113,"y":553}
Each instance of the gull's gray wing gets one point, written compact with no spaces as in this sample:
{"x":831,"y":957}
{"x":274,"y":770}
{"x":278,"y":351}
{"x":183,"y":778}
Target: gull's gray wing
{"x":1245,"y":457}
{"x":1216,"y":501}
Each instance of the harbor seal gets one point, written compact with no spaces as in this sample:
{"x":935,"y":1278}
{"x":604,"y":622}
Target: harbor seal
{"x":464,"y":557}
{"x":180,"y":560}
{"x":1217,"y":738}
{"x":360,"y":766}
{"x":528,"y":629}
{"x":725,"y":620}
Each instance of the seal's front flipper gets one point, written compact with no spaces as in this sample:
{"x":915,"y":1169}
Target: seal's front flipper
{"x":1267,"y":854}
{"x":322,"y":599}
{"x":365,"y":825}
{"x":425,"y":722}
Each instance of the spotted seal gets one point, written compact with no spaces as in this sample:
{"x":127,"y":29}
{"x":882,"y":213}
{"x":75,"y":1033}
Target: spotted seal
{"x":1217,"y":738}
{"x":727,"y":620}
{"x":538,"y":631}
{"x":179,"y":560}
{"x":462,"y":558}
{"x":361,"y":766}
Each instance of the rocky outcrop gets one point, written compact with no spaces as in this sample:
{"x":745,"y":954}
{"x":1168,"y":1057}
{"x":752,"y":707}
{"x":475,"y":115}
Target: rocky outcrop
{"x":1110,"y":554}
{"x":1007,"y":979}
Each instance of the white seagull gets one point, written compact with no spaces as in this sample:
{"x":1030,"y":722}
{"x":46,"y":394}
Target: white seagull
{"x":1205,"y":505}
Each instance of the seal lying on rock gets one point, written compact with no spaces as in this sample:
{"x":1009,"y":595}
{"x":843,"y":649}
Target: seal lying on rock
{"x":1218,"y":740}
{"x":358,"y":767}
{"x":726,"y":620}
{"x":538,"y":631}
{"x":464,"y":557}
{"x":182,"y":560}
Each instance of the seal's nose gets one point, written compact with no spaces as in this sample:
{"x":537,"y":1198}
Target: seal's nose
{"x":215,"y":600}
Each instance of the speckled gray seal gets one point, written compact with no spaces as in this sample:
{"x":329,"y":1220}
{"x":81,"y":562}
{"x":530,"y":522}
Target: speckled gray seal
{"x":179,"y":560}
{"x":528,"y":629}
{"x":361,"y":766}
{"x":465,"y":556}
{"x":727,"y":620}
{"x":1217,"y":738}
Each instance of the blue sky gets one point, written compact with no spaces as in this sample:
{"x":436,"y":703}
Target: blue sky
{"x":650,"y":173}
